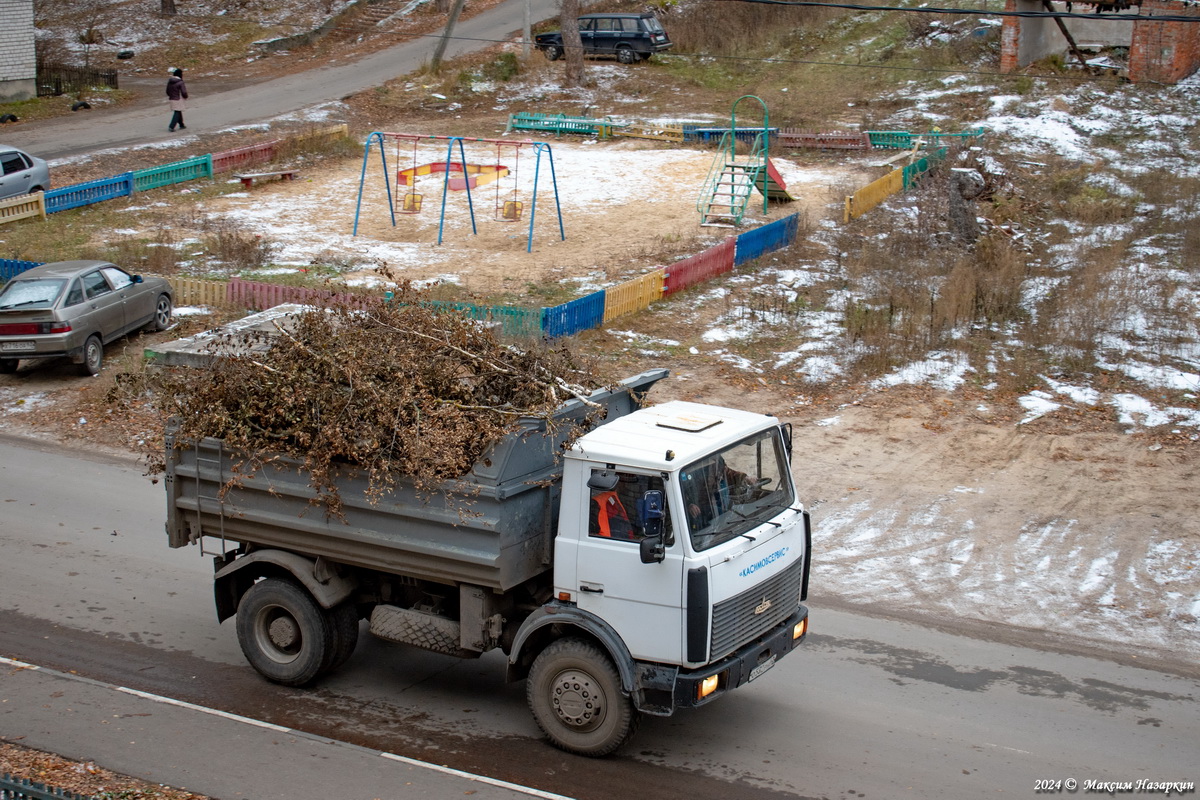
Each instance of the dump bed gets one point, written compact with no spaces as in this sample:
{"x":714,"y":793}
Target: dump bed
{"x":493,"y":527}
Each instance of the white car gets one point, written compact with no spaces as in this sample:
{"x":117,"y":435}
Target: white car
{"x":21,"y":173}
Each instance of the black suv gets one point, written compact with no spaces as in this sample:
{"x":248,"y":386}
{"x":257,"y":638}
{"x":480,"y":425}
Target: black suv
{"x":629,"y":37}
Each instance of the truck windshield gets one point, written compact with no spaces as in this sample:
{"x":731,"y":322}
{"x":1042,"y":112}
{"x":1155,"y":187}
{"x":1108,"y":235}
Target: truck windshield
{"x":735,"y":490}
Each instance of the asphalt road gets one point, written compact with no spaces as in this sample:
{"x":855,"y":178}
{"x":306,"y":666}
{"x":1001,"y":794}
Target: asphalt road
{"x":868,"y":708}
{"x":215,"y":106}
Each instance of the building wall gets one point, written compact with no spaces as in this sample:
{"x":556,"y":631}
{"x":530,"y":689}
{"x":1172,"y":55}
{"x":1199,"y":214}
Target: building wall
{"x":1158,"y":51}
{"x":1166,"y":52}
{"x":1025,"y":40}
{"x":18,"y":56}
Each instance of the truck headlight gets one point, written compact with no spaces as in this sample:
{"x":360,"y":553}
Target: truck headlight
{"x":800,"y":628}
{"x":708,"y":686}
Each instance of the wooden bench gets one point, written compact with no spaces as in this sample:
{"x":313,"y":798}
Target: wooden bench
{"x":248,"y":178}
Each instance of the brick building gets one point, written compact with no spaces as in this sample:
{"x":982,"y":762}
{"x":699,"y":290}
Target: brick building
{"x":1163,"y":52}
{"x":18,"y":56}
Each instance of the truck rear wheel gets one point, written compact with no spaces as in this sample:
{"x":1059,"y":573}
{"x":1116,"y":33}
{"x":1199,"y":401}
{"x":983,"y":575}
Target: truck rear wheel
{"x":574,"y":692}
{"x":284,"y":633}
{"x":343,"y":621}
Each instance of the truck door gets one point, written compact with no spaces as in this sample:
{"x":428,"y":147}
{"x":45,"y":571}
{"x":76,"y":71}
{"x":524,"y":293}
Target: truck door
{"x":643,"y":602}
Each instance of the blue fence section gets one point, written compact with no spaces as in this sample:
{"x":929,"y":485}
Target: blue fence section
{"x":11,"y":267}
{"x":773,"y":236}
{"x":84,"y":194}
{"x":915,"y":170}
{"x":575,"y":316}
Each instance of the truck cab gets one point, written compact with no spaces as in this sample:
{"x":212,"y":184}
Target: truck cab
{"x":682,"y":551}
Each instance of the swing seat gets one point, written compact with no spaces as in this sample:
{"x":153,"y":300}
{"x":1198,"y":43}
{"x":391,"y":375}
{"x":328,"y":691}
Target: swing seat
{"x":512,"y":210}
{"x":411,"y":203}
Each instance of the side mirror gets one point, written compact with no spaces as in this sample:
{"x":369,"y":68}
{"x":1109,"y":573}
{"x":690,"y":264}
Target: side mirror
{"x":786,"y":430}
{"x":652,"y":550}
{"x":137,"y":278}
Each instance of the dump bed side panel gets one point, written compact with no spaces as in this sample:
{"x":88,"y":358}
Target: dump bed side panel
{"x":493,"y":528}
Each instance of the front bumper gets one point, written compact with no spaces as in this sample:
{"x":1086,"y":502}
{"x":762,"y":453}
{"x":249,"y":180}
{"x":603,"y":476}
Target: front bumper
{"x":742,"y":666}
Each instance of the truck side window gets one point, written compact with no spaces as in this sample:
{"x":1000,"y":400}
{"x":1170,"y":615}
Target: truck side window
{"x":616,"y":513}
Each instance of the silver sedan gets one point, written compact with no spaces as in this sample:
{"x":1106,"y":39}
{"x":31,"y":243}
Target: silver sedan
{"x":74,"y":308}
{"x":21,"y":173}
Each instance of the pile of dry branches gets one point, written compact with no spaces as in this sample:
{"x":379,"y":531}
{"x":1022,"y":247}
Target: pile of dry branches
{"x":386,"y":388}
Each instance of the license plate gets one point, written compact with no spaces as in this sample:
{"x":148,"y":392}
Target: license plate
{"x":761,"y":668}
{"x":19,"y":346}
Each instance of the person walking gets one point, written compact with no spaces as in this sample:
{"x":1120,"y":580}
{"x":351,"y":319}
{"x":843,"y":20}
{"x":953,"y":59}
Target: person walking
{"x":177,"y":95}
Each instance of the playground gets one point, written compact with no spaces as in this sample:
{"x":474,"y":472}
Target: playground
{"x":502,"y":215}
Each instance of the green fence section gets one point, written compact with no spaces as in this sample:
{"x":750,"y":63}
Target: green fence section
{"x":915,"y":170}
{"x":512,"y":321}
{"x":178,"y":172}
{"x":903,"y":140}
{"x":559,"y":124}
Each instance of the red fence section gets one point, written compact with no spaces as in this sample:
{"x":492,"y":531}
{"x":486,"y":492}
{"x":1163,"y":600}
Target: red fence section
{"x":830,"y":140}
{"x":244,"y":156}
{"x":259,"y":296}
{"x":700,"y":267}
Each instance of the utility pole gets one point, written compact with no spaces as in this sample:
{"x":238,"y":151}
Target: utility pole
{"x":436,"y":63}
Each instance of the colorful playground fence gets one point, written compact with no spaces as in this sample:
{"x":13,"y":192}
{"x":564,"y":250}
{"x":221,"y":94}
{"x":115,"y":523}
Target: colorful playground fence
{"x":559,"y":124}
{"x":575,"y":316}
{"x":512,"y":321}
{"x":633,"y":295}
{"x":11,"y":267}
{"x":765,"y":239}
{"x":83,"y":194}
{"x":23,"y":207}
{"x":700,"y":267}
{"x":199,"y":292}
{"x":242,"y":157}
{"x":873,"y":194}
{"x":824,"y":140}
{"x":167,"y":174}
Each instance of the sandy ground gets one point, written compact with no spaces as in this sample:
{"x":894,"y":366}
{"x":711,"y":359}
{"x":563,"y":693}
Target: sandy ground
{"x":606,"y":194}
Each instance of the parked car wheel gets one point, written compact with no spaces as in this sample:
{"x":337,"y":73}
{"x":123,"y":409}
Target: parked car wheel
{"x":627,"y":55}
{"x":93,"y":356}
{"x":575,"y":695}
{"x":284,"y":633}
{"x":8,"y":366}
{"x":162,"y":313}
{"x":553,"y":52}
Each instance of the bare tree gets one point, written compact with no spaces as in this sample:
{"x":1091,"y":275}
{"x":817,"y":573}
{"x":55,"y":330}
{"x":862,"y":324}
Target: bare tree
{"x":168,"y":8}
{"x":572,"y":44}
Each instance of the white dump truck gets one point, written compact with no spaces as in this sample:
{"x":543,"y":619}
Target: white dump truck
{"x":657,"y":562}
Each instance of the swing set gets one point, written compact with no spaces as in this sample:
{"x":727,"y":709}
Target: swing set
{"x":459,"y":175}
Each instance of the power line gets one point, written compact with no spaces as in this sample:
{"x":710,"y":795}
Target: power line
{"x":976,"y":12}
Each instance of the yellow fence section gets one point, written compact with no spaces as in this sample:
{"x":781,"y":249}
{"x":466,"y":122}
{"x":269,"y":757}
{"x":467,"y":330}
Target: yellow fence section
{"x":331,"y":132}
{"x":23,"y":207}
{"x":641,"y":130}
{"x":198,"y":292}
{"x":634,"y":295}
{"x":873,"y":194}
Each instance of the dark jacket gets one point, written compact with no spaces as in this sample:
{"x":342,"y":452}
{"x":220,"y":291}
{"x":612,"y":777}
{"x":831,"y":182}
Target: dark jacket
{"x":176,"y":88}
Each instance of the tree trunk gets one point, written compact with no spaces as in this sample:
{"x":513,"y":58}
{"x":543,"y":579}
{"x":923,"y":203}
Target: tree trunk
{"x":168,"y":8}
{"x":572,"y":44}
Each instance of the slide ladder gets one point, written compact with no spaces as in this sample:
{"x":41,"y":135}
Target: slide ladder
{"x":730,"y":182}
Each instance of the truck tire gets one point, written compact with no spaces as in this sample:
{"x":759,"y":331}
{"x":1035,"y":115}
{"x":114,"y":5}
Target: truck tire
{"x":284,"y":633}
{"x":552,"y":52}
{"x":627,"y":55}
{"x":343,"y":621}
{"x":575,"y":695}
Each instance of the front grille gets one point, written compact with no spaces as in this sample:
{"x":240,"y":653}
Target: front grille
{"x":734,"y":621}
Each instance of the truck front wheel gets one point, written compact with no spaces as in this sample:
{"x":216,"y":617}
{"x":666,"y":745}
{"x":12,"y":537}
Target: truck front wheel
{"x":284,"y":633}
{"x":574,"y":692}
{"x":552,"y":52}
